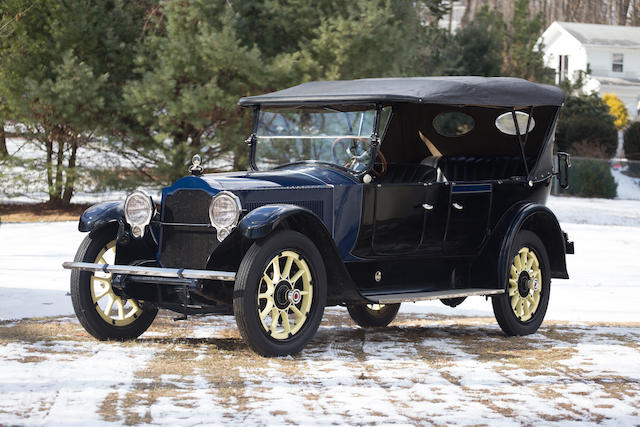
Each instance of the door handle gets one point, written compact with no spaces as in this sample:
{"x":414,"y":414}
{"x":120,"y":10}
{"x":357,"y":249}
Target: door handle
{"x":458,"y":206}
{"x":427,"y":206}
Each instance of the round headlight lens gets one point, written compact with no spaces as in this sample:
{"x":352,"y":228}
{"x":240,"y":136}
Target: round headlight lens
{"x":138,"y":208}
{"x":224,"y":210}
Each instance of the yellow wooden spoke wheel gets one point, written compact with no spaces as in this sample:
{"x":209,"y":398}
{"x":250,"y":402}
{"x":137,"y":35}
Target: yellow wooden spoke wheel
{"x":525,"y":284}
{"x":111,"y":307}
{"x":104,"y":311}
{"x":521,"y":309}
{"x":285,"y":295}
{"x":280,"y":293}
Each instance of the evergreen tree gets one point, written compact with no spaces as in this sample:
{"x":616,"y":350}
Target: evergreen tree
{"x":522,"y":53}
{"x":476,"y":49}
{"x":62,"y":68}
{"x":191,"y":71}
{"x":585,"y":126}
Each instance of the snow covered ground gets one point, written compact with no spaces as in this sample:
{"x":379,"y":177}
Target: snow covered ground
{"x":435,"y":365}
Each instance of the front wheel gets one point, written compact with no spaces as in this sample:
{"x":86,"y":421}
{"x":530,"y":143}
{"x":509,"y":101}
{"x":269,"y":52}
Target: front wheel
{"x":280,"y":293}
{"x":103,"y":311}
{"x":521,"y":309}
{"x":373,"y":315}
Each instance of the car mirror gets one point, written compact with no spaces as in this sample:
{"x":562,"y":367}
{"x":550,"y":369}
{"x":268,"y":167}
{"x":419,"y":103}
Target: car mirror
{"x":564,"y":163}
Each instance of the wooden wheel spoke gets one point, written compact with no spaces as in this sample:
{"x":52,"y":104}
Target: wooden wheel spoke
{"x":296,"y":277}
{"x":300,"y":317}
{"x":102,"y":295}
{"x":267,"y":309}
{"x":275,"y":316}
{"x":287,"y":267}
{"x":135,"y":305}
{"x":276,"y":269}
{"x":109,"y":306}
{"x":285,"y":321}
{"x":120,"y":307}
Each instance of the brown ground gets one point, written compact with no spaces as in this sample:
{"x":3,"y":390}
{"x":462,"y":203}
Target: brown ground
{"x":39,"y":212}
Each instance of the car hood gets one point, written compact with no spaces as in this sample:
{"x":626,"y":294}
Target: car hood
{"x":293,"y":176}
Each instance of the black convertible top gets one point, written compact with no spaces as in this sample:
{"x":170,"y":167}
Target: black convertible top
{"x":452,"y":90}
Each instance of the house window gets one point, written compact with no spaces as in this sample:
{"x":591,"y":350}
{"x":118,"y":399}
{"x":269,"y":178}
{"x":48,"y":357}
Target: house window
{"x":563,"y":67}
{"x":617,"y":64}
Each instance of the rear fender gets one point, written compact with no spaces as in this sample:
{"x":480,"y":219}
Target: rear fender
{"x":492,"y":264}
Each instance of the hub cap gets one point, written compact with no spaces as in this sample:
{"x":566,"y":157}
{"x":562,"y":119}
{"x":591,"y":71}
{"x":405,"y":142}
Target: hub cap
{"x":285,"y":294}
{"x":525,"y":284}
{"x":110,"y":306}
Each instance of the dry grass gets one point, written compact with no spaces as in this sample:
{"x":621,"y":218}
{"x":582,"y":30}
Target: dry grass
{"x":39,"y":212}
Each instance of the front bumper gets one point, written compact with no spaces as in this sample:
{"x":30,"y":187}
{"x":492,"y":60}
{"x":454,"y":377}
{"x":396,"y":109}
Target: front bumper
{"x":135,"y":270}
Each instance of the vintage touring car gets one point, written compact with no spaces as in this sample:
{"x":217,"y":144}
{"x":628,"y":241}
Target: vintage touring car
{"x":364,"y":193}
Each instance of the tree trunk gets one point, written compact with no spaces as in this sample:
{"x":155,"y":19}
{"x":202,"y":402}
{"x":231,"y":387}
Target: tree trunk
{"x":49,"y":165}
{"x":3,"y":142}
{"x":71,"y":174}
{"x":623,"y":8}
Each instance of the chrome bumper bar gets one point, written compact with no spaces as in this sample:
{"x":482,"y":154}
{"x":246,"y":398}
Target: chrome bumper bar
{"x":135,"y":270}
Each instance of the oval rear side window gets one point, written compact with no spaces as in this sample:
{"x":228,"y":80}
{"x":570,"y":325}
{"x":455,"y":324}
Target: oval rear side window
{"x":453,"y":123}
{"x":505,"y":123}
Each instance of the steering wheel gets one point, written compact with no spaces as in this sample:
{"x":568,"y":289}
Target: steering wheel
{"x":358,"y":155}
{"x":379,"y":164}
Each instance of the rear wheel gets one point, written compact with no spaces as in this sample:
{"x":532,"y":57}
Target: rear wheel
{"x":521,"y":309}
{"x":103,"y":311}
{"x":280,"y":293}
{"x":373,"y":315}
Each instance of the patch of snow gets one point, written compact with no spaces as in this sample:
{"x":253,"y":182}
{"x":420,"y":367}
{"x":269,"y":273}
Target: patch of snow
{"x":69,"y":386}
{"x":577,"y":210}
{"x":628,"y":187}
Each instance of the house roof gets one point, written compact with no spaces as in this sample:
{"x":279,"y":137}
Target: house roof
{"x":604,"y":35}
{"x":450,"y":90}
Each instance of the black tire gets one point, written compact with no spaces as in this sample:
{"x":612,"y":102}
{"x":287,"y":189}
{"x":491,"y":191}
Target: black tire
{"x":510,"y":322}
{"x":370,"y":316}
{"x":453,"y":302}
{"x":266,"y":338}
{"x":86,"y":308}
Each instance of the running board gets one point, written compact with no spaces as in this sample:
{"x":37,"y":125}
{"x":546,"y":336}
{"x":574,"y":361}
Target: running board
{"x":388,"y":298}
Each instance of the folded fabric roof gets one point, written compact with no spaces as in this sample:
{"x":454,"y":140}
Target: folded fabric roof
{"x":450,"y":90}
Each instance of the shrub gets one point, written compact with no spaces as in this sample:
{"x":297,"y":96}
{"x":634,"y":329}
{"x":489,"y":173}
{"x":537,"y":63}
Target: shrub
{"x":632,"y":148}
{"x":591,"y":178}
{"x":632,"y":141}
{"x":585,"y":119}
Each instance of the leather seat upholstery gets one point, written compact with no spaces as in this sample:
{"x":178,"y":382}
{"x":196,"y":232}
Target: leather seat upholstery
{"x":466,"y":168}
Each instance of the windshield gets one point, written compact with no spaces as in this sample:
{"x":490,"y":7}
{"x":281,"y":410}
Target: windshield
{"x":322,"y":135}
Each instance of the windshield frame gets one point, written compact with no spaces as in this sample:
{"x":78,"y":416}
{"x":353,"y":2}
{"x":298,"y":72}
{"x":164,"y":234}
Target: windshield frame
{"x":374,"y":143}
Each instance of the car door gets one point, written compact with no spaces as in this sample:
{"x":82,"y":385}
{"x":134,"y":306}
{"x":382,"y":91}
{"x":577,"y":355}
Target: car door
{"x":399,"y":218}
{"x":436,"y":211}
{"x":469,"y":208}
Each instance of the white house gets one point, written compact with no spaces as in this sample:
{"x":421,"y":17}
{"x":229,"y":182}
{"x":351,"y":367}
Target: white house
{"x":610,"y":52}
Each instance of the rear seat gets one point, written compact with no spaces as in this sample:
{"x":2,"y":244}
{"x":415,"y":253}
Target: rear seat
{"x":466,"y":168}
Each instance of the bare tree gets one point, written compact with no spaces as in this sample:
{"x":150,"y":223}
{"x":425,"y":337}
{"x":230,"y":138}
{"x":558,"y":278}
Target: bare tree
{"x":611,"y":12}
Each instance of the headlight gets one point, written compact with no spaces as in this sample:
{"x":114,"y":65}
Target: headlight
{"x":138,"y":210}
{"x":224,"y":212}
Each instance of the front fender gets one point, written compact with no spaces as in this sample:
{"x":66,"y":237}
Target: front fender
{"x":97,"y":216}
{"x":526,"y":216}
{"x":261,"y":221}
